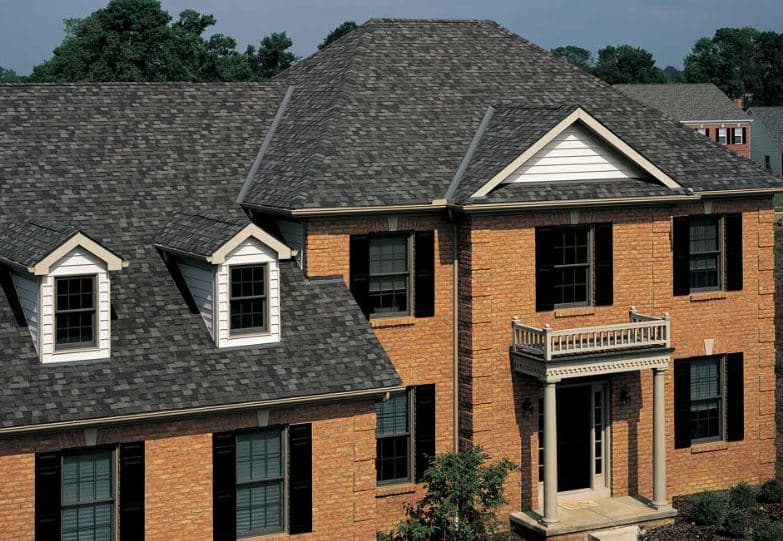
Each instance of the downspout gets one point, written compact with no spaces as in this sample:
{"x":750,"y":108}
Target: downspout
{"x":455,"y":323}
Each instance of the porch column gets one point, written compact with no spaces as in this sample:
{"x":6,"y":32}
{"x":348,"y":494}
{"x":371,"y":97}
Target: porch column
{"x":550,"y":452}
{"x":659,"y":438}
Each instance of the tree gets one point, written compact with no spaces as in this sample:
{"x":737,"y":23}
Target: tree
{"x":578,"y":56}
{"x":272,"y":56}
{"x":337,"y":33}
{"x":462,"y":496}
{"x":672,"y":74}
{"x":8,"y":76}
{"x":627,"y":64}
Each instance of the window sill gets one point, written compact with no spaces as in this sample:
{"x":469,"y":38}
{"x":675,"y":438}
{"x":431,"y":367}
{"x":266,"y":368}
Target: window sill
{"x":393,"y":321}
{"x":575,"y":311}
{"x":383,"y":491}
{"x":704,"y":296}
{"x":709,"y":447}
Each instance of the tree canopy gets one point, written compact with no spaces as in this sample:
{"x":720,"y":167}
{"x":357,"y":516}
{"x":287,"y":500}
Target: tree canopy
{"x":340,"y":31}
{"x":578,"y":56}
{"x":135,"y":40}
{"x":8,"y":76}
{"x":627,"y":64}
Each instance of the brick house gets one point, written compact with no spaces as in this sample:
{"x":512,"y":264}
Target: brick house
{"x":701,"y":106}
{"x":245,"y":310}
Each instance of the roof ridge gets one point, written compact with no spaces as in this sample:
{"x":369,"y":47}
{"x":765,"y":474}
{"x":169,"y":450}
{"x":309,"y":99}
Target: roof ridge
{"x":215,"y":217}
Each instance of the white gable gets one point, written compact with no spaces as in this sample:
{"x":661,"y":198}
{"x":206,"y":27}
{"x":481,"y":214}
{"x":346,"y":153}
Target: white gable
{"x":575,"y":154}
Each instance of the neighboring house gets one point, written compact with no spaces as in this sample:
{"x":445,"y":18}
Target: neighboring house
{"x":767,"y":148}
{"x":548,"y":269}
{"x":701,"y":106}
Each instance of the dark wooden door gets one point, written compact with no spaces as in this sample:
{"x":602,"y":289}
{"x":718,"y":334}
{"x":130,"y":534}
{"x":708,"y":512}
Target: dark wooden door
{"x":573,"y":438}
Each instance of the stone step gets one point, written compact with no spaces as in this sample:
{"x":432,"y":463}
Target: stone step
{"x":626,"y":533}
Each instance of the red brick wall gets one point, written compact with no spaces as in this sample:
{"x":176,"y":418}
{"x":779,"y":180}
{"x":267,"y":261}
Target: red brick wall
{"x":420,"y":348}
{"x":743,"y":149}
{"x":500,"y":250}
{"x":178,"y":481}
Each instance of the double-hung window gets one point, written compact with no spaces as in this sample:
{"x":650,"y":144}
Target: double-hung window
{"x":723,"y":137}
{"x":260,"y":481}
{"x":248,"y":302}
{"x":393,"y":439}
{"x":88,"y":496}
{"x":75,"y":309}
{"x":703,"y":131}
{"x":390,"y":275}
{"x":707,"y":399}
{"x":572,"y":247}
{"x":738,"y":139}
{"x":705,"y":253}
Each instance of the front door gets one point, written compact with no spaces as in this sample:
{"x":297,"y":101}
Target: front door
{"x":574,"y":435}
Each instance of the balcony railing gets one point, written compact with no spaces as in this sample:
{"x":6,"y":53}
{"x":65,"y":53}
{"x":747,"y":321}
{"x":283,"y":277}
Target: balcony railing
{"x":642,"y":331}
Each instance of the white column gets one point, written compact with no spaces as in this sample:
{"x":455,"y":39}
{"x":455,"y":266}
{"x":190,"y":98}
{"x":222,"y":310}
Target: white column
{"x":659,"y":438}
{"x":550,"y":453}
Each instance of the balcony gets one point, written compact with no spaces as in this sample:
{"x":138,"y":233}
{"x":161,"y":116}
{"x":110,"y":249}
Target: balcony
{"x":643,"y":342}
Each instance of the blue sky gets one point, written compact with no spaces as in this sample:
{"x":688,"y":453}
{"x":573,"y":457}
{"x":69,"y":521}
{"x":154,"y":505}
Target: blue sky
{"x":30,"y":29}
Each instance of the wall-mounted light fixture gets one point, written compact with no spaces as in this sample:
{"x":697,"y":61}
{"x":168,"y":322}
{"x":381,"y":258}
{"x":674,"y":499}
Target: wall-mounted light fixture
{"x":625,"y":397}
{"x":527,"y":406}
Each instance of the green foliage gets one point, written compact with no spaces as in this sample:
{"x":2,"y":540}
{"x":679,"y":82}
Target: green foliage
{"x":463,"y":495}
{"x":627,"y":64}
{"x":742,"y":496}
{"x":135,"y":40}
{"x":337,"y":33}
{"x":736,"y":522}
{"x":710,"y":509}
{"x":771,"y":492}
{"x":672,"y":74}
{"x":768,"y":531}
{"x":8,"y":76}
{"x":742,"y":62}
{"x":578,"y":56}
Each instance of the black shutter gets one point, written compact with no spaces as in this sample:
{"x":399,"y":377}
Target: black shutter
{"x":707,"y":132}
{"x":424,"y":428}
{"x":224,"y":487}
{"x":132,"y":491}
{"x":681,"y":246}
{"x":735,"y":397}
{"x":300,"y":481}
{"x":360,"y":271}
{"x":424,"y":289}
{"x":604,"y":289}
{"x":744,"y":136}
{"x":682,"y":404}
{"x":47,"y":496}
{"x":733,"y":231}
{"x":729,"y":136}
{"x":544,"y":271}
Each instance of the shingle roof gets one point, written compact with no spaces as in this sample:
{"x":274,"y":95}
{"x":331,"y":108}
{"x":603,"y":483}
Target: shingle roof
{"x":696,"y":101}
{"x":200,"y":234}
{"x":772,"y":118}
{"x":385,"y":115}
{"x":120,"y":161}
{"x":29,"y":241}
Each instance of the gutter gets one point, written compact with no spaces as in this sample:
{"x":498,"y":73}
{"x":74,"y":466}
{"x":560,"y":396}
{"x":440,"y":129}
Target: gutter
{"x":537,"y":205}
{"x":204,"y":410}
{"x":439,"y":204}
{"x":715,"y":121}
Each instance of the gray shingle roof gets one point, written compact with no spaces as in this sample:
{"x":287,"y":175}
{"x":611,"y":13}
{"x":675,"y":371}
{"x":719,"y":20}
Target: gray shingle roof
{"x":200,"y":234}
{"x":772,"y":118}
{"x":120,"y":161}
{"x":697,"y":101}
{"x":384,"y":116}
{"x":28,"y":242}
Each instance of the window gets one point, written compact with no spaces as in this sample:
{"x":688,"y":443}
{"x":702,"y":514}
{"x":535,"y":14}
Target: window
{"x":707,"y":397}
{"x":393,"y":439}
{"x":259,"y":476}
{"x":389,"y":274}
{"x":703,"y":131}
{"x":572,"y":261}
{"x":767,"y":163}
{"x":705,"y":253}
{"x":738,"y":139}
{"x":723,"y":136}
{"x":75,"y":312}
{"x":88,"y":496}
{"x":248,"y":299}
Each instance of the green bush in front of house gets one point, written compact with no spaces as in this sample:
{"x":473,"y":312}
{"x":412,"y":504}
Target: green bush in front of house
{"x":771,"y":492}
{"x":710,"y":509}
{"x":742,"y":496}
{"x":736,"y":522}
{"x":768,"y":531}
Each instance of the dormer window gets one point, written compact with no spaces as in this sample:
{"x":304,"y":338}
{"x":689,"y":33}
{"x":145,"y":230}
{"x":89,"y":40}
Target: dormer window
{"x":248,"y":303}
{"x":61,"y":279}
{"x":228,"y":269}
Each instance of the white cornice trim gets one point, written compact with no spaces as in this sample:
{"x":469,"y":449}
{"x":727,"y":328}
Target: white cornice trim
{"x":112,"y":260}
{"x":250,"y":230}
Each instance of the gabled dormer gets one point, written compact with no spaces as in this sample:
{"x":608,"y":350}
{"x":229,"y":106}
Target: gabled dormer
{"x":229,"y":271}
{"x":61,"y":282}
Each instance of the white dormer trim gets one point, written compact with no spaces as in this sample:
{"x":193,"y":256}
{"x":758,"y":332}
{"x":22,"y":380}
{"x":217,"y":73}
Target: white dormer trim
{"x":579,"y":115}
{"x":251,"y":230}
{"x":112,"y":261}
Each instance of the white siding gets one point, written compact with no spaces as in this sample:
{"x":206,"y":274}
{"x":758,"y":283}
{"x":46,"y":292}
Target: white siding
{"x":201,"y":283}
{"x":28,"y":290}
{"x":294,"y":235}
{"x":575,"y":154}
{"x":761,"y":144}
{"x":77,"y":262}
{"x":248,"y":252}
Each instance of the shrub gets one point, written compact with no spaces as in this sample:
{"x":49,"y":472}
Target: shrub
{"x":742,"y":496}
{"x":710,"y":509}
{"x":768,"y":531}
{"x":771,"y":492}
{"x":736,"y":522}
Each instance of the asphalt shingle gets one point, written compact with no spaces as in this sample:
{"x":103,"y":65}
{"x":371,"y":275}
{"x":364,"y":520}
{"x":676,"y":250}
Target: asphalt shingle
{"x":686,"y":102}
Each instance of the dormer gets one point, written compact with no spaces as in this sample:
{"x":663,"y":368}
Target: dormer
{"x":229,"y":271}
{"x":62,"y":287}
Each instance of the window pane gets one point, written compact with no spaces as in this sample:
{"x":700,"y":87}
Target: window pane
{"x":705,"y":378}
{"x":389,"y":294}
{"x":570,"y":246}
{"x":706,"y":392}
{"x":388,"y":255}
{"x":391,"y":461}
{"x":74,"y":293}
{"x":75,"y":328}
{"x":570,"y":285}
{"x":259,"y":455}
{"x":247,"y":281}
{"x":248,"y":313}
{"x":703,"y":234}
{"x":259,"y":507}
{"x":392,"y":415}
{"x":87,"y":496}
